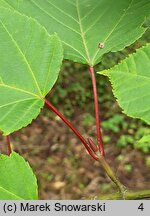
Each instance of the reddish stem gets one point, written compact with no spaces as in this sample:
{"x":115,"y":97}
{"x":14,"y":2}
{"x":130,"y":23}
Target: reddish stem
{"x":98,"y":125}
{"x":51,"y":107}
{"x":8,"y":144}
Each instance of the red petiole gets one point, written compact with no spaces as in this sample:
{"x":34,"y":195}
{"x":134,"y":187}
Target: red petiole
{"x":81,"y":138}
{"x":89,"y":144}
{"x":98,"y":126}
{"x":8,"y":144}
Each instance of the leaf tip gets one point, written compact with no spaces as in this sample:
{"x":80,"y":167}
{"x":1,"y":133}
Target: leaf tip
{"x":104,"y":72}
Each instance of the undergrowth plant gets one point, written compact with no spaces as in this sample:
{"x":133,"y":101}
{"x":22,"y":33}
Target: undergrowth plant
{"x":35,"y":36}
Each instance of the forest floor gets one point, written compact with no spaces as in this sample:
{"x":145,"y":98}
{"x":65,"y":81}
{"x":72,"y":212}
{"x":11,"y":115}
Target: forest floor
{"x":64,"y":169}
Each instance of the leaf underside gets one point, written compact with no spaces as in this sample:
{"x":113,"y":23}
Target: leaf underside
{"x":131,"y":84}
{"x":17,"y":181}
{"x":83,"y":24}
{"x":30,"y":61}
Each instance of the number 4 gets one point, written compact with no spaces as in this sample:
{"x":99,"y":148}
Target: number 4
{"x":141,"y":207}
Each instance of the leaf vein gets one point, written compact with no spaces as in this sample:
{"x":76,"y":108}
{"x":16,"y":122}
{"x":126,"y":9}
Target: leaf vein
{"x":112,"y":30}
{"x":14,"y":102}
{"x":25,"y":113}
{"x":18,"y":89}
{"x":82,"y":32}
{"x":48,"y":14}
{"x":9,"y":192}
{"x":75,"y":50}
{"x":68,"y":15}
{"x":24,"y":57}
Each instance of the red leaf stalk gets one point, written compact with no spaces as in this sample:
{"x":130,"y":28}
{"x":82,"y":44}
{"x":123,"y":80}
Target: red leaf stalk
{"x":98,"y":125}
{"x":80,"y":137}
{"x":8,"y":144}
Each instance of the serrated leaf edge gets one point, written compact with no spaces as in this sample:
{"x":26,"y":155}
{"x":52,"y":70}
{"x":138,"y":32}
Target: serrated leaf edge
{"x":2,"y":156}
{"x":106,"y":73}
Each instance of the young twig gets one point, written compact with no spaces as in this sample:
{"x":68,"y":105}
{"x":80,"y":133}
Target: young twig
{"x":112,"y":176}
{"x":98,"y":126}
{"x":129,"y":195}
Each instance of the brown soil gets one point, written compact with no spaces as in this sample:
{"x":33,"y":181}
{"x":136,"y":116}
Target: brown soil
{"x":62,"y":165}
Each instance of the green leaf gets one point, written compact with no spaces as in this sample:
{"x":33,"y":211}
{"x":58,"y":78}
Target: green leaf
{"x":17,"y":181}
{"x":143,"y":144}
{"x":83,"y":24}
{"x":29,"y":65}
{"x":145,"y":138}
{"x":131,"y":84}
